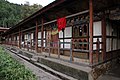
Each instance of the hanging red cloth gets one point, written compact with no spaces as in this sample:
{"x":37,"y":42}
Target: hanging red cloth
{"x":61,"y":23}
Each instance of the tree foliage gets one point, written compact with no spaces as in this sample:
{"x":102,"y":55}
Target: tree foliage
{"x":11,"y":14}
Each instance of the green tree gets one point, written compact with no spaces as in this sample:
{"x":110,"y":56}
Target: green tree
{"x":11,"y":14}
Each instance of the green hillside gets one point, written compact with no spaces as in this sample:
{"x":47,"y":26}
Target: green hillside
{"x":11,"y":14}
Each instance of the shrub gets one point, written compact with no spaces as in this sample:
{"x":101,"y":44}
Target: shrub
{"x":10,"y":69}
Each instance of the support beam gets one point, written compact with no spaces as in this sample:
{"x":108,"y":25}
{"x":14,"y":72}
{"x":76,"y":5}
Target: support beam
{"x":91,"y":31}
{"x":42,"y":35}
{"x":103,"y":38}
{"x":36,"y":37}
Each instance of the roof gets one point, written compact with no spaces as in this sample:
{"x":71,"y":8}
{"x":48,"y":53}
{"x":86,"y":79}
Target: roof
{"x":61,"y":8}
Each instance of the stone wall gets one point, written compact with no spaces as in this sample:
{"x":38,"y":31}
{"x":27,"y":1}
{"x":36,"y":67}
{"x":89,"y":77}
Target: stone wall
{"x":101,"y":69}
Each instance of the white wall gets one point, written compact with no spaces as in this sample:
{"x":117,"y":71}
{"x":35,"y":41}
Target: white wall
{"x":67,"y":33}
{"x":31,"y":35}
{"x":97,"y":31}
{"x":108,"y":29}
{"x":119,"y":44}
{"x":17,"y":38}
{"x":109,"y":43}
{"x":39,"y":35}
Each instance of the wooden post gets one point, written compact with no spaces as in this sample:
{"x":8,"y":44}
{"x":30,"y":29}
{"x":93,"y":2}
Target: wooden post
{"x":8,"y":41}
{"x":117,"y":37}
{"x":36,"y":37}
{"x":91,"y":31}
{"x":58,"y":49}
{"x":97,"y":49}
{"x":103,"y":38}
{"x":19,"y":38}
{"x":71,"y":51}
{"x":42,"y":35}
{"x":24,"y":41}
{"x":30,"y":42}
{"x":12,"y":40}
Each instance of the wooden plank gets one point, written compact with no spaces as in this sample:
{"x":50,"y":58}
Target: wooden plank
{"x":91,"y":31}
{"x":36,"y":37}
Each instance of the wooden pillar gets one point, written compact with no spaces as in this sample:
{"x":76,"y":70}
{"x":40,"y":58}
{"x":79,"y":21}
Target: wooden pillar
{"x":24,"y":40}
{"x":91,"y":31}
{"x":117,"y":38}
{"x":12,"y":40}
{"x":103,"y":38}
{"x":8,"y":40}
{"x":30,"y":41}
{"x":97,"y":50}
{"x":36,"y":37}
{"x":19,"y":38}
{"x":42,"y":35}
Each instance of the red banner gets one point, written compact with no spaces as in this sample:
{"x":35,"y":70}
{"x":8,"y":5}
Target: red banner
{"x":61,"y":23}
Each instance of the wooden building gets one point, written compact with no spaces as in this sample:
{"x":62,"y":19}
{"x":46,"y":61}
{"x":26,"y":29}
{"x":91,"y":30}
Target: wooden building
{"x":91,"y":34}
{"x":2,"y":30}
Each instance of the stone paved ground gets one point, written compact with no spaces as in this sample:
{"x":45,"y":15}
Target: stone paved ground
{"x":113,"y":74}
{"x":41,"y":74}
